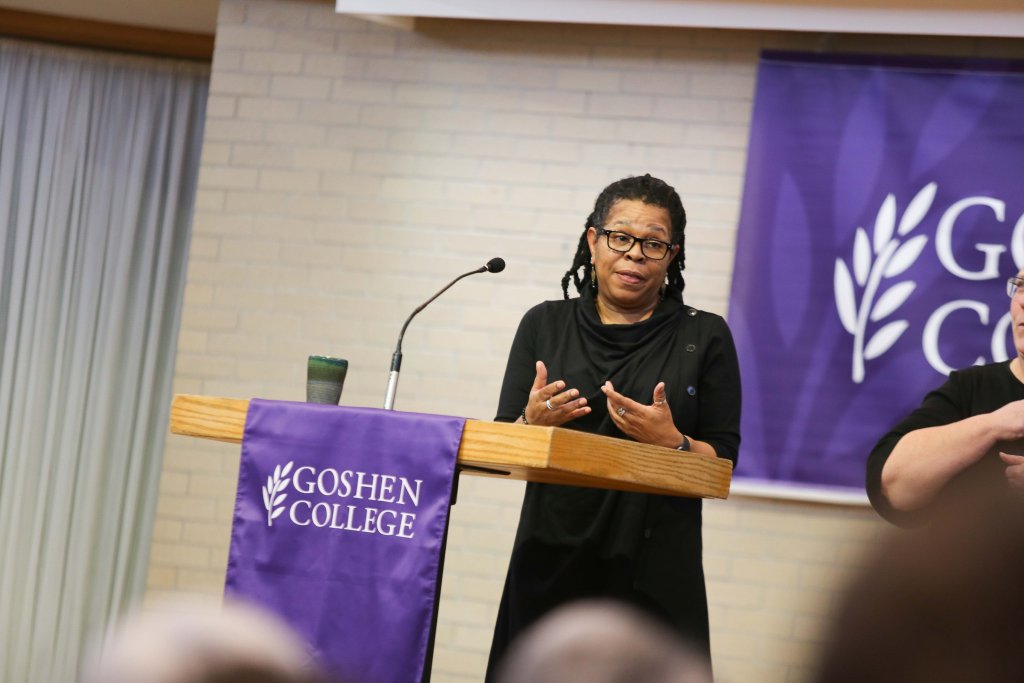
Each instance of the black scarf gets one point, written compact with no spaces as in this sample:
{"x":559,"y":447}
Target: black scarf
{"x":633,"y":357}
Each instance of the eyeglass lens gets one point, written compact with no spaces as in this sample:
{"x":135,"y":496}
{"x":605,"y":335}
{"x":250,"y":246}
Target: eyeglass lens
{"x":623,"y":242}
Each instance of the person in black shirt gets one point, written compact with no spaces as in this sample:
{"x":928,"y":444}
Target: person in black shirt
{"x":627,"y":359}
{"x":962,"y":433}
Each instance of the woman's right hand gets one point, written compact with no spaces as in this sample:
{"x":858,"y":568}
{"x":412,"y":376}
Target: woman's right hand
{"x":552,"y":405}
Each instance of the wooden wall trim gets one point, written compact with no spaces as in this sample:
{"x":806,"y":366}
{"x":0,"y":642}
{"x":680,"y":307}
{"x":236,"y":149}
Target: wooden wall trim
{"x":100,"y":34}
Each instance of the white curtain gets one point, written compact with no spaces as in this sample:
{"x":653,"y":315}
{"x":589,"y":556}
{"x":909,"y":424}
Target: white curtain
{"x":98,"y":161}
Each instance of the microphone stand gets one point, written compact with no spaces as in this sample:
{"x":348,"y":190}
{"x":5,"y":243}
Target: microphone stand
{"x":495,"y":265}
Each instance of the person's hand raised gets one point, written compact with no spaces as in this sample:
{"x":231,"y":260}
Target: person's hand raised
{"x":647,"y":424}
{"x":552,"y":405}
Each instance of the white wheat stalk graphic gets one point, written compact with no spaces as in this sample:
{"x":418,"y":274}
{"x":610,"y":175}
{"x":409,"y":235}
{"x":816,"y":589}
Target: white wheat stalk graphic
{"x":874,"y":260}
{"x":272,"y":492}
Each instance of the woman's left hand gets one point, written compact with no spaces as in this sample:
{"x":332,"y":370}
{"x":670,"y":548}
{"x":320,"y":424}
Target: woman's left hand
{"x":647,"y":424}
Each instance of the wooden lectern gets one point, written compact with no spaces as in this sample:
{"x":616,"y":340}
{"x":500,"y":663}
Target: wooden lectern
{"x":546,"y":454}
{"x":515,"y":451}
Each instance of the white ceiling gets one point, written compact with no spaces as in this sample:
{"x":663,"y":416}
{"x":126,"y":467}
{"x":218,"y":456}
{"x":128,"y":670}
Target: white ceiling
{"x":1003,"y":18}
{"x":936,"y":17}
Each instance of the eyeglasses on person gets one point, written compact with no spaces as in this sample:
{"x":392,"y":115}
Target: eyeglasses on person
{"x":1014,"y":285}
{"x":622,"y":242}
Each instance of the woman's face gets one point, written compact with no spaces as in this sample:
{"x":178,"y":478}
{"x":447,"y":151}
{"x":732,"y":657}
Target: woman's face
{"x":631,"y":280}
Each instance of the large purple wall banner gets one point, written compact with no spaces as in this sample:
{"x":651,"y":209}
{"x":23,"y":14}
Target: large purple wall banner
{"x":882,"y":213}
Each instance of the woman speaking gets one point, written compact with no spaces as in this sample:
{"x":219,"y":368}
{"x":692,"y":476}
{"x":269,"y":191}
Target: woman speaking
{"x":626,"y":359}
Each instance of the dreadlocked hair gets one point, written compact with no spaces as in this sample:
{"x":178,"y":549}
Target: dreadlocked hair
{"x":649,"y":190}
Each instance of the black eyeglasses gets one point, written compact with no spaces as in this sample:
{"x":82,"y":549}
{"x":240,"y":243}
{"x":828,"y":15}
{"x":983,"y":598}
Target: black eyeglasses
{"x":622,"y":242}
{"x":1014,"y":285}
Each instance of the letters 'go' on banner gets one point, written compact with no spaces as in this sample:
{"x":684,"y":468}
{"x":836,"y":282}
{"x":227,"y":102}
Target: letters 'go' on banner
{"x":882,"y":215}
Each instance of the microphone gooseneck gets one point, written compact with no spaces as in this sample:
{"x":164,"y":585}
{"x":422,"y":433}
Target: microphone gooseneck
{"x":495,"y":265}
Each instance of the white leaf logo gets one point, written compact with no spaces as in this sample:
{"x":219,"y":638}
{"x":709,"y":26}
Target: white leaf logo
{"x":891,"y":300}
{"x":861,"y":256}
{"x":846,"y":297}
{"x":917,"y":208}
{"x":273,"y":492}
{"x":905,"y":256}
{"x":885,"y":223}
{"x":882,"y":257}
{"x":883,"y":339}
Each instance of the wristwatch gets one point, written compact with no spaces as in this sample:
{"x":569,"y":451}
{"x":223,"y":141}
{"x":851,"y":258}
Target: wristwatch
{"x":685,"y":445}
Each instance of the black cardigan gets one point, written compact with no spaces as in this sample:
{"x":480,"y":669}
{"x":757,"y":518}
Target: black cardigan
{"x":659,"y":537}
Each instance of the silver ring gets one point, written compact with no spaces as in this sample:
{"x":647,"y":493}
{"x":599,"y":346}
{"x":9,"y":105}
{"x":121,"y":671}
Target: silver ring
{"x":621,"y":411}
{"x":548,"y":404}
{"x":659,"y":403}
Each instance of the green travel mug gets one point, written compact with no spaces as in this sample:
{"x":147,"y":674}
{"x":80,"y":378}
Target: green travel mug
{"x":324,"y":379}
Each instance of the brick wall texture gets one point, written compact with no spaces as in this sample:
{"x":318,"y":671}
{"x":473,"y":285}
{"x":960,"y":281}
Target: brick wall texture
{"x":350,"y":169}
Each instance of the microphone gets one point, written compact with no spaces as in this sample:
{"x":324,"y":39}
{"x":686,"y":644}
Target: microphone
{"x":495,"y":265}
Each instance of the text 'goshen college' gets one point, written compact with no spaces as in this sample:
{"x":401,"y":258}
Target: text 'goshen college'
{"x":374,"y":487}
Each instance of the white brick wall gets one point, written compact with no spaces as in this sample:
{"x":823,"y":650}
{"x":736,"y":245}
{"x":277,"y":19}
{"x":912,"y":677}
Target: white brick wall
{"x":349,"y":170}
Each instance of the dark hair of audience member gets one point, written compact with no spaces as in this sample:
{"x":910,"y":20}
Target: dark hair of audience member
{"x":941,"y":603}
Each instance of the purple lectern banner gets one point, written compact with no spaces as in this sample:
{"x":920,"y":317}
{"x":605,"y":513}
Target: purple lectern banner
{"x":882,"y":213}
{"x":338,"y":526}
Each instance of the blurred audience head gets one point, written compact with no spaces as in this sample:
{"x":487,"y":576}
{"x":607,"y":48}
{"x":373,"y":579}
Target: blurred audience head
{"x":941,"y":603}
{"x":189,"y":642}
{"x":601,"y":642}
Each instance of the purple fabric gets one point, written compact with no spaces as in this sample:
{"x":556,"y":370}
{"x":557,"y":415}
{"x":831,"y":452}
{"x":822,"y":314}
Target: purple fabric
{"x":338,"y":526}
{"x":882,"y":214}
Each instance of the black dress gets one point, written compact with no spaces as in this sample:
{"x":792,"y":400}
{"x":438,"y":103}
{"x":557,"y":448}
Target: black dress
{"x":974,"y":391}
{"x":575,"y":542}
